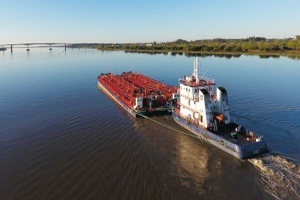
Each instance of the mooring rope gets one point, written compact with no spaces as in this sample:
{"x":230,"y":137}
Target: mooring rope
{"x":168,"y":127}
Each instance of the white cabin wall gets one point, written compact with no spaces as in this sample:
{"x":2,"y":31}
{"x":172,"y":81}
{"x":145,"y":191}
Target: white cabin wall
{"x":187,"y":99}
{"x":204,"y":107}
{"x":222,"y":104}
{"x":201,"y":108}
{"x":195,"y":104}
{"x":213,"y":90}
{"x":138,"y":103}
{"x":219,"y":101}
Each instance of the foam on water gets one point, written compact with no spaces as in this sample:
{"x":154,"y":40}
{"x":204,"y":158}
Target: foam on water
{"x":279,"y":176}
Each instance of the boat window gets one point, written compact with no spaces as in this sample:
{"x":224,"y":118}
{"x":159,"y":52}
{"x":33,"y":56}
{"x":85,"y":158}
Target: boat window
{"x":201,"y":97}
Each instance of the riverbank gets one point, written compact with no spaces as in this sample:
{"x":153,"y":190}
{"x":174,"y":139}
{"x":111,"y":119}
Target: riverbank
{"x":291,"y":55}
{"x":260,"y":46}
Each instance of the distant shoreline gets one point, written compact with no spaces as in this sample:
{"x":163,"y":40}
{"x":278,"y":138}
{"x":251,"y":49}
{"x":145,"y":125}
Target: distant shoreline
{"x":292,"y":55}
{"x":260,"y":46}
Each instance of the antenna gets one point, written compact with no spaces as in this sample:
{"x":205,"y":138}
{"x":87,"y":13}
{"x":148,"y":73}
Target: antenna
{"x":205,"y":72}
{"x":196,"y":70}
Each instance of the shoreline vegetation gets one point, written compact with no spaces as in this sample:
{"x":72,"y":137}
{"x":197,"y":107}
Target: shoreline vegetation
{"x":263,"y":47}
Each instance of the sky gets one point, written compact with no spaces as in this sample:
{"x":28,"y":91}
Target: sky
{"x":122,"y":21}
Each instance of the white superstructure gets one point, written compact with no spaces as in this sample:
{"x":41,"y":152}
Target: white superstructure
{"x":201,"y":101}
{"x":202,"y":108}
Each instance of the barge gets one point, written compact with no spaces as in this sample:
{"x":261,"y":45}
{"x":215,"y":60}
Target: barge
{"x":202,"y":108}
{"x":138,"y":94}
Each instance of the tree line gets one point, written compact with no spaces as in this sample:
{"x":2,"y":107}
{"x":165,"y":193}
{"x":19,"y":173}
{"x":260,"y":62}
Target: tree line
{"x":251,"y":45}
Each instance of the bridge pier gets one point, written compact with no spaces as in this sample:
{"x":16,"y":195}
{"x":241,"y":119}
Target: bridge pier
{"x":65,"y":48}
{"x":11,"y":48}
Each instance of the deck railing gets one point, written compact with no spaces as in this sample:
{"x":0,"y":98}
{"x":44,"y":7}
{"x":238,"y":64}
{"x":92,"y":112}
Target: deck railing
{"x":203,"y":82}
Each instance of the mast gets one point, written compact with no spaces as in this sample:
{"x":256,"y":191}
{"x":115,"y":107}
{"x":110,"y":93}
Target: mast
{"x":196,"y":70}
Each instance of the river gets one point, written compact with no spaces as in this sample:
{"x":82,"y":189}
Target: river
{"x":62,"y":138}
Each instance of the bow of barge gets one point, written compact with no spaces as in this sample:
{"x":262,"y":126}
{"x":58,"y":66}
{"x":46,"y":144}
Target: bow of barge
{"x":137,"y":93}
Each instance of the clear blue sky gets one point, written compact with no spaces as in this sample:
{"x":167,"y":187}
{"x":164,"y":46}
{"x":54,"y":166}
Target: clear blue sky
{"x":99,"y":21}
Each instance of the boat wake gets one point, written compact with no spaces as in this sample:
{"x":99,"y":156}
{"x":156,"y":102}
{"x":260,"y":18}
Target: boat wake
{"x":280,"y":177}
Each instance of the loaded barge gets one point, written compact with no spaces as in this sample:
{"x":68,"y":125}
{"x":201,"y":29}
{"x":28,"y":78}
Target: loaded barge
{"x":203,"y":109}
{"x":137,"y":93}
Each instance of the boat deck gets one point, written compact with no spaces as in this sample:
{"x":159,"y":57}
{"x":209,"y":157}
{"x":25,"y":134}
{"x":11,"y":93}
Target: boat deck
{"x":119,"y":87}
{"x":129,"y":85}
{"x":149,"y":85}
{"x":229,"y":133}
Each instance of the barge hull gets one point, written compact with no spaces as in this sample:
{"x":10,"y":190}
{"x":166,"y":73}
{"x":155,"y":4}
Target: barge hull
{"x":116,"y":99}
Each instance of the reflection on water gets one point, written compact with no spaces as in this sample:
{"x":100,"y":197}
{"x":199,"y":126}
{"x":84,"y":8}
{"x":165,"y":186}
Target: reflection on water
{"x":193,"y":169}
{"x":197,"y":164}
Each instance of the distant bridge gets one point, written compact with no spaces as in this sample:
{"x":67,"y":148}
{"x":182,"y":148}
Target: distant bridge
{"x":27,"y":45}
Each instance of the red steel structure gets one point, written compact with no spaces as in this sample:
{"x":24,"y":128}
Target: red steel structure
{"x":129,"y":85}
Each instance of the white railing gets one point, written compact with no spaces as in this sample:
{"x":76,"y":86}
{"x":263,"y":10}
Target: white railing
{"x":212,"y":81}
{"x":203,"y":81}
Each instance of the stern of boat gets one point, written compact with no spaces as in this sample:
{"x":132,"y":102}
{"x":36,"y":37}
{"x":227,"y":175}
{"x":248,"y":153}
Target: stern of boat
{"x":252,"y":149}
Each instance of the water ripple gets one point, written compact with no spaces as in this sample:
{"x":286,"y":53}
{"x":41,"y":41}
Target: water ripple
{"x":279,"y":176}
